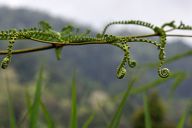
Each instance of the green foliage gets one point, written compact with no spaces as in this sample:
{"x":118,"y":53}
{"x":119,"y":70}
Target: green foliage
{"x":71,"y":36}
{"x":152,"y":107}
{"x":157,"y":82}
{"x":152,"y":115}
{"x":147,"y":112}
{"x":178,"y":80}
{"x":184,"y":26}
{"x":44,"y":26}
{"x":179,"y":56}
{"x":135,"y":22}
{"x":11,"y":110}
{"x":118,"y":113}
{"x":73,"y":120}
{"x":182,"y":120}
{"x":89,"y":120}
{"x":33,"y":118}
{"x":58,"y":52}
{"x":50,"y":122}
{"x":5,"y":62}
{"x":68,"y":30}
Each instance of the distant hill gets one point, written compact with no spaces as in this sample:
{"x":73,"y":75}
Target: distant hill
{"x":93,"y":62}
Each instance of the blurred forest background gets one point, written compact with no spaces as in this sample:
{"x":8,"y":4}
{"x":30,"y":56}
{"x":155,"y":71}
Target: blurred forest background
{"x":98,"y":89}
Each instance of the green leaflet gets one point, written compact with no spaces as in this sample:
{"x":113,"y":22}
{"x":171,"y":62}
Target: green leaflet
{"x":67,"y":30}
{"x":45,"y":26}
{"x":72,"y":34}
{"x":58,"y":52}
{"x":170,"y":24}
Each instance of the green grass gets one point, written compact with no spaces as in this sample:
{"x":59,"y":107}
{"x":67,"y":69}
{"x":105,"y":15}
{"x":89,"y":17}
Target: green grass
{"x":182,"y":120}
{"x":11,"y":110}
{"x":49,"y":119}
{"x":118,"y":114}
{"x":37,"y":105}
{"x":159,"y":81}
{"x":12,"y":121}
{"x":33,"y":116}
{"x":147,"y":113}
{"x":88,"y":121}
{"x":73,"y":120}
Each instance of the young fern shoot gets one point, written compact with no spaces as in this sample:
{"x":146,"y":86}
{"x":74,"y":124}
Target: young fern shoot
{"x":44,"y":33}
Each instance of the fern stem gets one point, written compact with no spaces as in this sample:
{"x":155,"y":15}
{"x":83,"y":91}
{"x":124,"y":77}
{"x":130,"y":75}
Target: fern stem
{"x":55,"y":44}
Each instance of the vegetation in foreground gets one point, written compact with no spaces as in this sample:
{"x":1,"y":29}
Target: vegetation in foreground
{"x":57,"y":102}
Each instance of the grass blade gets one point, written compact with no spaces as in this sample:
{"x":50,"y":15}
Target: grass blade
{"x":153,"y":84}
{"x":50,"y":122}
{"x":73,"y":120}
{"x":28,"y":99}
{"x":178,"y":80}
{"x":89,"y":120}
{"x":10,"y":105}
{"x":28,"y":104}
{"x":33,"y":118}
{"x":182,"y":120}
{"x":117,"y":115}
{"x":11,"y":110}
{"x":179,"y":56}
{"x":147,"y":113}
{"x":174,"y":58}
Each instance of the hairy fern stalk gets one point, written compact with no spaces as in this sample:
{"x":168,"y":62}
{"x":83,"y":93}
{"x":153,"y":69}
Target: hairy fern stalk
{"x":69,"y":35}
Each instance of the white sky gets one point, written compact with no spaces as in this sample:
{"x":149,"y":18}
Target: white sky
{"x":99,"y":12}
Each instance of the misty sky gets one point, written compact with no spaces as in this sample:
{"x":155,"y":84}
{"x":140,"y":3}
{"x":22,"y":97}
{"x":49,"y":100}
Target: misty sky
{"x":98,"y":13}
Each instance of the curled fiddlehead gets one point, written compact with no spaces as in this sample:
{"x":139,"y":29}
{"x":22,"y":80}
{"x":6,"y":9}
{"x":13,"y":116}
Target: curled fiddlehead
{"x":6,"y":60}
{"x":121,"y":71}
{"x":132,"y":63}
{"x":72,"y":36}
{"x":135,"y":22}
{"x":163,"y":72}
